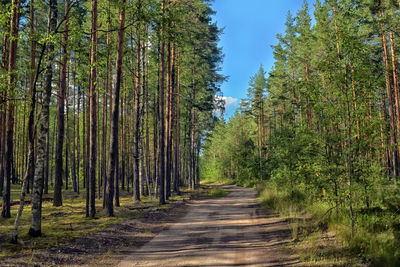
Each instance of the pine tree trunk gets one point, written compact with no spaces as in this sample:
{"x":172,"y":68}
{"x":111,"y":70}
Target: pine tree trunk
{"x":395,"y":88}
{"x":78,"y":145}
{"x":136,"y":192}
{"x":123,"y":126}
{"x":9,"y":145}
{"x":156,"y":173}
{"x":67,"y":144}
{"x":161,"y":122}
{"x":74,"y":136}
{"x":47,"y":167}
{"x":92,"y":113}
{"x":393,"y":134}
{"x":168,"y":123}
{"x":57,"y":198}
{"x":113,"y":157}
{"x":147,"y":107}
{"x":192,"y":134}
{"x":109,"y":91}
{"x":145,"y":116}
{"x":177,"y":168}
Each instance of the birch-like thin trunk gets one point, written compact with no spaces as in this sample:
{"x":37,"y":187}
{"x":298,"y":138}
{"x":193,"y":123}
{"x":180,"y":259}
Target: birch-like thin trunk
{"x":37,"y":190}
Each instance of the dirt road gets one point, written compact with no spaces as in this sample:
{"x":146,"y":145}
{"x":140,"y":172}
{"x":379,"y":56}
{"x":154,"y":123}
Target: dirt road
{"x":229,"y":231}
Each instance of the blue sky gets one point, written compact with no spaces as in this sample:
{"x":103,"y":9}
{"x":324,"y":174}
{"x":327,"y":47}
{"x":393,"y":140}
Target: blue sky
{"x":251,"y":27}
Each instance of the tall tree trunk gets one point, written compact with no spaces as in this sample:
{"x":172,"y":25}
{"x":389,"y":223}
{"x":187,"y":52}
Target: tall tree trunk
{"x":168,"y":123}
{"x":148,"y":155}
{"x":395,"y":87}
{"x":113,"y":157}
{"x":3,"y":114}
{"x":57,"y":198}
{"x":143,"y":114}
{"x":109,"y":91}
{"x":67,"y":144}
{"x":9,"y":153}
{"x":147,"y":108}
{"x":156,"y":139}
{"x":98,"y":156}
{"x":30,"y":129}
{"x":92,"y":112}
{"x":123,"y":143}
{"x":161,"y":112}
{"x":136,"y":192}
{"x":192,"y":133}
{"x":37,"y":190}
{"x":47,"y":167}
{"x":78,"y":145}
{"x":177,"y":168}
{"x":393,"y":141}
{"x":74,"y":136}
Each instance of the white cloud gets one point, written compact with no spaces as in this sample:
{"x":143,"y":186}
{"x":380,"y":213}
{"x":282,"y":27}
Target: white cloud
{"x":229,"y":101}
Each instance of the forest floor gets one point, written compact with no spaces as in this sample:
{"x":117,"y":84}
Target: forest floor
{"x":232,"y":230}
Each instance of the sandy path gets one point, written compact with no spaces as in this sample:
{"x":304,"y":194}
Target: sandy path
{"x":229,"y":231}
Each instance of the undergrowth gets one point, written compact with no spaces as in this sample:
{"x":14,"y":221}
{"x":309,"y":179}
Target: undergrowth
{"x":322,"y":232}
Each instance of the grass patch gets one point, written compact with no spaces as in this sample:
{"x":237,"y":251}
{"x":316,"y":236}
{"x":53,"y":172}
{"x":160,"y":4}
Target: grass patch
{"x":216,"y":192}
{"x":217,"y":181}
{"x":318,"y":232}
{"x":67,"y":223}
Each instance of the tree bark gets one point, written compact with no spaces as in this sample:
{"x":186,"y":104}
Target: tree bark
{"x":168,"y":121}
{"x":192,"y":134}
{"x":177,"y":168}
{"x":9,"y":145}
{"x":113,"y":157}
{"x":92,"y":112}
{"x":57,"y":197}
{"x":109,"y":91}
{"x":393,"y":134}
{"x":37,"y":190}
{"x":395,"y":87}
{"x":161,"y":111}
{"x":30,"y":129}
{"x":136,"y":192}
{"x":74,"y":180}
{"x":78,"y":145}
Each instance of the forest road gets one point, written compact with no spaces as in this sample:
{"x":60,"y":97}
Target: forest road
{"x":230,"y":231}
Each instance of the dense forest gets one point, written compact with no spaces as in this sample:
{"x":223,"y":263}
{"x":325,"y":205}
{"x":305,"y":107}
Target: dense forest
{"x":100,"y":97}
{"x":321,"y":131}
